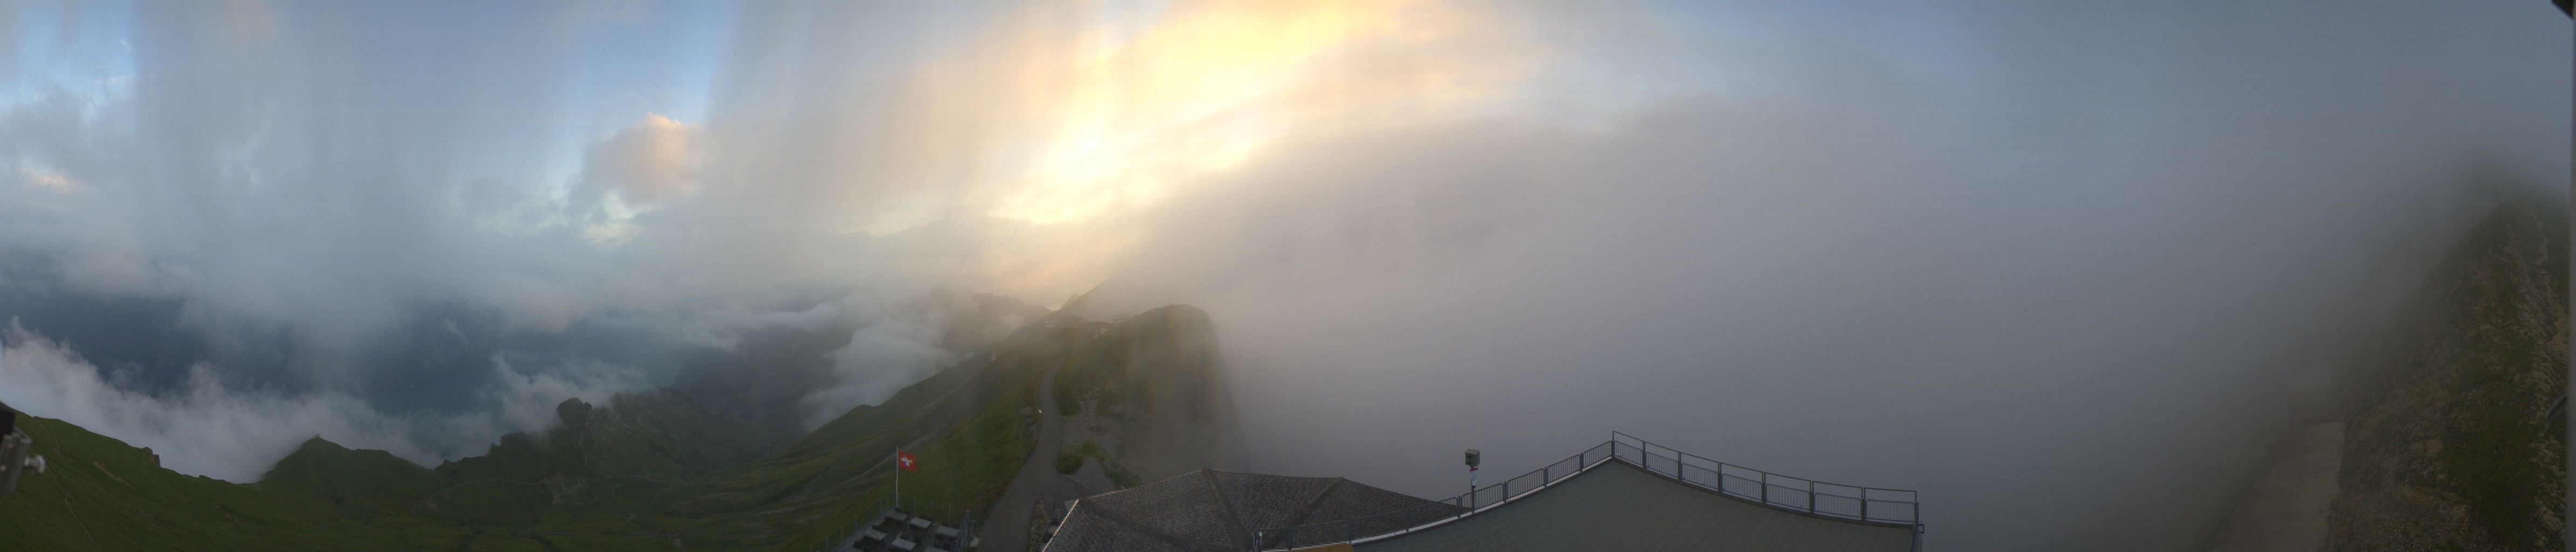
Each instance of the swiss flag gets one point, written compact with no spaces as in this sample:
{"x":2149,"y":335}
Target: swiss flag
{"x":903,"y":460}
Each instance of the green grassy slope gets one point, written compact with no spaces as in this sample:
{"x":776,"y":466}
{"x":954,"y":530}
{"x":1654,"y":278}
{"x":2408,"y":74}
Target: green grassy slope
{"x":102,"y":494}
{"x":2453,"y":451}
{"x":48,"y":511}
{"x":646,"y":470}
{"x":653,"y":433}
{"x":969,"y":426}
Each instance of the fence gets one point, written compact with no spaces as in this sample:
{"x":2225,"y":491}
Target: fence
{"x":1811,"y":497}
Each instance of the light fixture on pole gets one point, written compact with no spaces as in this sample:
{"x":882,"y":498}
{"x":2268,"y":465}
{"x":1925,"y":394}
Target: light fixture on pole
{"x":1472,"y":460}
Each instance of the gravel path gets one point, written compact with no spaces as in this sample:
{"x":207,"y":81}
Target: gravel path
{"x":1007,"y":525}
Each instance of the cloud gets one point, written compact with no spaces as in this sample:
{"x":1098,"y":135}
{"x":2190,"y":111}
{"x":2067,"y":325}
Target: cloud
{"x":723,"y":327}
{"x":253,"y":170}
{"x":891,"y":348}
{"x":211,"y":427}
{"x":245,"y":170}
{"x":648,"y":163}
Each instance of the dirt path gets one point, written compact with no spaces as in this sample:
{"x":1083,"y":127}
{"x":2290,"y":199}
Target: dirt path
{"x":1006,"y":528}
{"x":2286,"y":510}
{"x":84,"y":526}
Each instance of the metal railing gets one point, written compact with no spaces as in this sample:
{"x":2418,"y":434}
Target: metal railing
{"x":1812,"y":497}
{"x":1417,"y":516}
{"x":1893,"y":507}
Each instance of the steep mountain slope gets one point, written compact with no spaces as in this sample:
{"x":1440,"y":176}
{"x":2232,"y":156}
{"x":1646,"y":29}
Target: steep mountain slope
{"x":101,"y":494}
{"x":646,"y":470}
{"x":1152,"y":389}
{"x":2453,"y":450}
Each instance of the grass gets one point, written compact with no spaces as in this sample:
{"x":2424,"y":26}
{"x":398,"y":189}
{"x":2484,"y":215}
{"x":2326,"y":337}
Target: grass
{"x":101,"y":494}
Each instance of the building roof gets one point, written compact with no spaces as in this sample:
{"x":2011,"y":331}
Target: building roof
{"x":1214,"y":510}
{"x":1619,"y":506}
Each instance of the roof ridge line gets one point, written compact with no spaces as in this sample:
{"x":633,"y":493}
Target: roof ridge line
{"x":1308,"y":509}
{"x":1241,"y":533}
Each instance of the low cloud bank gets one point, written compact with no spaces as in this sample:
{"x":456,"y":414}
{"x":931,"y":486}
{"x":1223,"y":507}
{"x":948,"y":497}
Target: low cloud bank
{"x":212,"y":428}
{"x":882,"y":357}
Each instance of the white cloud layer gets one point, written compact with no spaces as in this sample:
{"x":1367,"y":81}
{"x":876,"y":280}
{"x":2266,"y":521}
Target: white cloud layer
{"x":899,"y":347}
{"x":211,"y":428}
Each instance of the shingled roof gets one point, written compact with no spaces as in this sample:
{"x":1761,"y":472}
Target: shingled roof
{"x":1213,"y":510}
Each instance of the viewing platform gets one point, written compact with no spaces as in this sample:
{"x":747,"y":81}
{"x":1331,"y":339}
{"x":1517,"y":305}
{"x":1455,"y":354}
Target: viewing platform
{"x":1624,"y":494}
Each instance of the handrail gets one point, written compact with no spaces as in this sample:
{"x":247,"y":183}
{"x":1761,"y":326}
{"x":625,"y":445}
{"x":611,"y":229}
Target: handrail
{"x":1431,"y":513}
{"x":1801,"y":496}
{"x":1796,"y":494}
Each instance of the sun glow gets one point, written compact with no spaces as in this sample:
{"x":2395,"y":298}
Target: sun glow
{"x":1124,"y":115}
{"x":1064,"y":120}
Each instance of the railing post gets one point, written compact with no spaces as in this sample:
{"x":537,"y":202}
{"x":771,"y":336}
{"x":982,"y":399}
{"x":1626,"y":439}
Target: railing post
{"x":1811,"y":496}
{"x":1766,"y":487}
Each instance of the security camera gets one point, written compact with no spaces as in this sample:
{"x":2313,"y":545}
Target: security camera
{"x":17,"y":452}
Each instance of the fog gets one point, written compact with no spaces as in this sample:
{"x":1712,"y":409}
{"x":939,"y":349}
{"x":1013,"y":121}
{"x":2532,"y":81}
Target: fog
{"x":2054,"y":266}
{"x":2060,"y":287}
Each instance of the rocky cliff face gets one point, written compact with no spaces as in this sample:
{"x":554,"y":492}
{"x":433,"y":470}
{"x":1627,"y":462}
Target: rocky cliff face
{"x":2451,"y":449}
{"x":1151,"y":391}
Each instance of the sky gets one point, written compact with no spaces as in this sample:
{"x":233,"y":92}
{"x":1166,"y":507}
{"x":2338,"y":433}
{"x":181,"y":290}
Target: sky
{"x":2054,"y":264}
